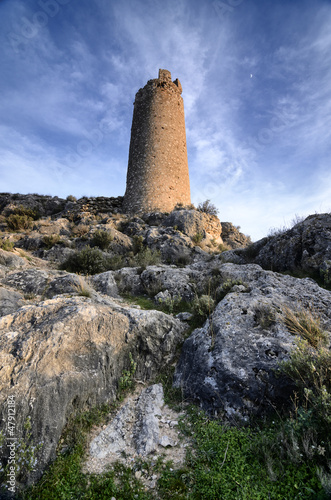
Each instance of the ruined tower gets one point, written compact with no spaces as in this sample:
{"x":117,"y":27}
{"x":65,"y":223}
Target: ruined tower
{"x":157,"y":177}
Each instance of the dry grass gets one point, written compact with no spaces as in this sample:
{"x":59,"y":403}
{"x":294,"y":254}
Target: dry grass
{"x":306,"y":324}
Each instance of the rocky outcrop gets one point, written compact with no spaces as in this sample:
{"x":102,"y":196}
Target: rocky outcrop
{"x":143,"y":425}
{"x":232,"y":237}
{"x":192,"y":222}
{"x":305,"y":247}
{"x":67,"y":354}
{"x":228,"y":366}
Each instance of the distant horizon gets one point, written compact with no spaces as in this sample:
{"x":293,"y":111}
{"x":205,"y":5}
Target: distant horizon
{"x":256,"y":78}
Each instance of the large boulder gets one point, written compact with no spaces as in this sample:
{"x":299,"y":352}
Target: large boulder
{"x":307,"y":247}
{"x":193,"y":222}
{"x":232,"y":236}
{"x":68,"y":354}
{"x":229,"y":365}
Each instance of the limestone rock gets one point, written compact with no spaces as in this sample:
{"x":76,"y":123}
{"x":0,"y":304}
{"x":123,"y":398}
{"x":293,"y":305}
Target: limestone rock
{"x":306,"y":246}
{"x":10,"y":301}
{"x":228,"y":365}
{"x":138,"y":429}
{"x":11,"y":260}
{"x":232,"y":236}
{"x":65,"y":354}
{"x":190,"y":222}
{"x":29,"y":281}
{"x":105,"y":283}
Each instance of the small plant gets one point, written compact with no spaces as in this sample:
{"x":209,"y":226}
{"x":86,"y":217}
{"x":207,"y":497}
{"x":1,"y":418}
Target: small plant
{"x":137,"y":244}
{"x":82,"y":288}
{"x":102,"y":239}
{"x":197,"y":238}
{"x":226,"y":288}
{"x":203,"y":306}
{"x":264,"y":315}
{"x":146,"y":257}
{"x":81,"y":230}
{"x":70,"y":197}
{"x":326,"y":275}
{"x":126,"y":380}
{"x":170,"y":303}
{"x":181,"y":260}
{"x":25,"y":454}
{"x":51,"y":240}
{"x":208,"y":208}
{"x":222,"y":247}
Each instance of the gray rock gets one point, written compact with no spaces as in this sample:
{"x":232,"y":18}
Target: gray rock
{"x":306,"y":246}
{"x":229,"y":364}
{"x":11,"y":260}
{"x":233,"y":237}
{"x":193,"y":222}
{"x":65,"y":283}
{"x":128,"y":280}
{"x":147,"y":433}
{"x":135,"y":426}
{"x":105,"y":283}
{"x":174,"y":246}
{"x":113,"y":438}
{"x":28,"y":281}
{"x":58,"y":254}
{"x":190,"y":222}
{"x":66,"y":354}
{"x":10,"y":301}
{"x":184,"y":316}
{"x":176,"y":281}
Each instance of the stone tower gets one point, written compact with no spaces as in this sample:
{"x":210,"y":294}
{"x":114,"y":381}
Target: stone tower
{"x":157,"y":177}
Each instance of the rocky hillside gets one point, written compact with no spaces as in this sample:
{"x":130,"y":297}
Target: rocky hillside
{"x":74,"y":276}
{"x":305,"y":249}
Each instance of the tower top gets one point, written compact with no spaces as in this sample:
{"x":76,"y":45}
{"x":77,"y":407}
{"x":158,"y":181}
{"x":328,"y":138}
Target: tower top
{"x":164,"y":75}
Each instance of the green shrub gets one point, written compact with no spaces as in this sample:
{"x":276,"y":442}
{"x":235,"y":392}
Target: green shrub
{"x":137,"y":243}
{"x":208,"y":208}
{"x":230,"y":463}
{"x":21,"y":218}
{"x":182,"y":260}
{"x":170,"y":303}
{"x":15,"y":222}
{"x":70,"y":197}
{"x":146,"y":257}
{"x":51,"y":240}
{"x":310,"y":369}
{"x":29,"y":212}
{"x":223,"y":247}
{"x":102,"y":239}
{"x":6,"y":245}
{"x":197,"y":238}
{"x":87,"y":261}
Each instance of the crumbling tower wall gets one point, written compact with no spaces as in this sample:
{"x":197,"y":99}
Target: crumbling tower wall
{"x":157,"y":177}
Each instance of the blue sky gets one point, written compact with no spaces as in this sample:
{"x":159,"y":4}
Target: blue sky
{"x":256,"y":79}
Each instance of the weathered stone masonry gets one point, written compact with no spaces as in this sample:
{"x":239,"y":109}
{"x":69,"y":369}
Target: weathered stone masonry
{"x":158,"y":177}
